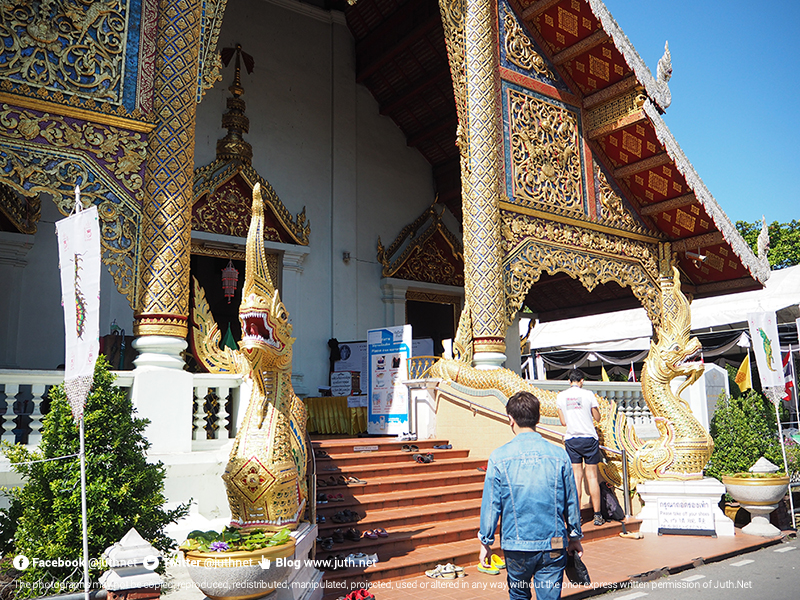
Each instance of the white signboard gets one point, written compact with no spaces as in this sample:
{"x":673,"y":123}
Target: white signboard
{"x":389,"y":351}
{"x":687,"y":516}
{"x":767,"y":348}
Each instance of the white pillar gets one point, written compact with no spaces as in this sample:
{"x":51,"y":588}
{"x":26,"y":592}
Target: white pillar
{"x":163,"y":393}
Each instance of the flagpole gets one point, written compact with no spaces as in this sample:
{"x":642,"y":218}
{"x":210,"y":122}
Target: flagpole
{"x":83,"y":513}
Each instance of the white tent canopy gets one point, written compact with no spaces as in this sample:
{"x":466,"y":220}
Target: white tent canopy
{"x":632,"y":330}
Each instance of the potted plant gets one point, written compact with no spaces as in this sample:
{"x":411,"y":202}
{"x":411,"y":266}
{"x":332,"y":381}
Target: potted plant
{"x":758,"y":491}
{"x":238,"y":565}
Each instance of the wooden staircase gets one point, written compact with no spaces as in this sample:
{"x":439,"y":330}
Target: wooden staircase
{"x":430,"y":511}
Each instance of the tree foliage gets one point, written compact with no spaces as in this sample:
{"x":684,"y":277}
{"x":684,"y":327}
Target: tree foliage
{"x":123,"y":489}
{"x":784,"y":241}
{"x":744,"y":429}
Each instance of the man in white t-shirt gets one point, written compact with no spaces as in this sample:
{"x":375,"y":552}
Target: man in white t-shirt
{"x":577,"y":408}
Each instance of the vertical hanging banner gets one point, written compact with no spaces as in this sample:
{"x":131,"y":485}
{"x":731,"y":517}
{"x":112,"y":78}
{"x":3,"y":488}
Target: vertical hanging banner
{"x":79,"y":263}
{"x":389,"y":350}
{"x":767,"y":348}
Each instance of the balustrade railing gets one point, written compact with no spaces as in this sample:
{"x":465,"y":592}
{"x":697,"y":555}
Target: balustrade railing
{"x":24,"y":400}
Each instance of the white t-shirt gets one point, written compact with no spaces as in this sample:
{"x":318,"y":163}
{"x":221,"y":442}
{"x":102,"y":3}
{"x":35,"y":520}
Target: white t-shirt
{"x":576,"y":404}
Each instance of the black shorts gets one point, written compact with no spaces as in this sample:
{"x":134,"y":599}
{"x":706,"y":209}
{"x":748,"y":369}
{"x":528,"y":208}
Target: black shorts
{"x":583,"y":450}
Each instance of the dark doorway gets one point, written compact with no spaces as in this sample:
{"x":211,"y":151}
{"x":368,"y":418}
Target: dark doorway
{"x":433,"y":320}
{"x":208,"y":271}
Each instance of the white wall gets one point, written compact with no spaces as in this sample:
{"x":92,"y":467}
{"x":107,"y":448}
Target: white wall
{"x":39,"y":342}
{"x":318,"y":139}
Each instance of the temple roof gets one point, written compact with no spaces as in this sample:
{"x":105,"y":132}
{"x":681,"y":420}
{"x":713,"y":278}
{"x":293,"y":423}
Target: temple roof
{"x":401,"y":58}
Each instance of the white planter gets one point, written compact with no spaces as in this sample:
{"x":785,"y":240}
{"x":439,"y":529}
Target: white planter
{"x":759,"y":496}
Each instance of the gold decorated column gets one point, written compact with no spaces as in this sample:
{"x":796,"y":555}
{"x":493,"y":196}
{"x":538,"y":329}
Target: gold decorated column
{"x":163,"y":304}
{"x":484,"y":289}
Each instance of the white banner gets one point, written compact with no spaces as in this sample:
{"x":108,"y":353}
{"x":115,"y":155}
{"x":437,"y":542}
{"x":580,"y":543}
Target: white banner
{"x":79,"y":262}
{"x":767,"y":348}
{"x":389,"y":351}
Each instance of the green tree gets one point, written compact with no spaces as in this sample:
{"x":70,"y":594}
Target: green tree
{"x":784,"y":241}
{"x":744,"y":429}
{"x":123,"y":489}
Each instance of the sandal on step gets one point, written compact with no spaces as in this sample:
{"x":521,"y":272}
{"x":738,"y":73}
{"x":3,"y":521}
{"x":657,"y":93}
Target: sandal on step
{"x":488,"y":569}
{"x":370,"y":534}
{"x":355,"y":481}
{"x":381,"y":532}
{"x":423,"y":458}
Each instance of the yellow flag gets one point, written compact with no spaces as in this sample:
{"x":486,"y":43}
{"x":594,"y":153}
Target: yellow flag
{"x":603,"y":373}
{"x":743,"y":379}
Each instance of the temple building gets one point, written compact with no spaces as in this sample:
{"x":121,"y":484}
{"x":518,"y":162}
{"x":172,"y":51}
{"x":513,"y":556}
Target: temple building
{"x":445,"y":164}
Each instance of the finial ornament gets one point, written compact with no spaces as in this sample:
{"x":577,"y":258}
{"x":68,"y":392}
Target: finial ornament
{"x":663,"y":75}
{"x":233,"y":145}
{"x":762,"y":243}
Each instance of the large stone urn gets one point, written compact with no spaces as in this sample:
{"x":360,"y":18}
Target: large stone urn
{"x":241,"y":575}
{"x":759,"y":492}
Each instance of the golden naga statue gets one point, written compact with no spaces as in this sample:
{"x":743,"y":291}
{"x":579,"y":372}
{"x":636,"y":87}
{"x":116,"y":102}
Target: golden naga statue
{"x":266,"y":473}
{"x":683,"y":448}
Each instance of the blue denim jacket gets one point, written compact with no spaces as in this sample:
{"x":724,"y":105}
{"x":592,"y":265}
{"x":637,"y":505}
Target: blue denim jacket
{"x":530,"y":485}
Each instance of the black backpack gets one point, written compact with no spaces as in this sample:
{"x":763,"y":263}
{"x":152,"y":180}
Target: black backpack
{"x":609,"y":506}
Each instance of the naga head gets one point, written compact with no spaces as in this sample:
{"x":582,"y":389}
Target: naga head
{"x":675,"y":349}
{"x":266,"y":332}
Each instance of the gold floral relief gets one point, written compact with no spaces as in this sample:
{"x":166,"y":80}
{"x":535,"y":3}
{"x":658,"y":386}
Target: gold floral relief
{"x":428,"y":263}
{"x":120,"y":151}
{"x":24,"y":213}
{"x":519,"y":48}
{"x":72,"y":46}
{"x":545,"y":161}
{"x":534,"y":246}
{"x":31,"y":170}
{"x":612,"y":211}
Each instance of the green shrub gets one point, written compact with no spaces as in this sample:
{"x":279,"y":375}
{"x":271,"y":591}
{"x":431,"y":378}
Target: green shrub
{"x":744,"y":429}
{"x":123,"y":489}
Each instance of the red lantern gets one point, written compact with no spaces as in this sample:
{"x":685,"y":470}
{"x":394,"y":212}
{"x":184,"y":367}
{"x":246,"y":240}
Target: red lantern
{"x":230,"y":278}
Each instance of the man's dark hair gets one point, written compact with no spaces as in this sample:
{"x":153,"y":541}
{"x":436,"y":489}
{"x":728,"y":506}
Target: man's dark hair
{"x":523,"y":407}
{"x":575,"y":375}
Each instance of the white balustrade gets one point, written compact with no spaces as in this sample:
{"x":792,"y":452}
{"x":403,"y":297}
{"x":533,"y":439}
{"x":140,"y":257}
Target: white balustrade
{"x":34,"y":385}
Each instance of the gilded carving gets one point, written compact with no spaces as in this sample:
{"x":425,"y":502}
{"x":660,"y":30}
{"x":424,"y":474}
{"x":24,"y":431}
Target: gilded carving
{"x":614,"y":110}
{"x":435,"y":255}
{"x":481,"y":217}
{"x":534,"y":245}
{"x":166,"y":220}
{"x":31,"y":169}
{"x":612,"y":211}
{"x":210,"y":64}
{"x":75,"y":47}
{"x":545,"y":162}
{"x":23,"y":212}
{"x":519,"y":48}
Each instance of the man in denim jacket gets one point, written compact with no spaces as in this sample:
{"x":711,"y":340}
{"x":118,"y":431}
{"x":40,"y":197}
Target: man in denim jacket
{"x":530,"y":485}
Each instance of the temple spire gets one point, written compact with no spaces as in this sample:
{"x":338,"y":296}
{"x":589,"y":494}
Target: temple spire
{"x":233,"y":146}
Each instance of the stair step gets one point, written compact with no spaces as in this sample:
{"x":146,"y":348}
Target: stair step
{"x":381,"y":500}
{"x":397,"y":517}
{"x":352,"y":460}
{"x":417,"y":477}
{"x":384,"y":444}
{"x":406,"y":466}
{"x":415,"y":561}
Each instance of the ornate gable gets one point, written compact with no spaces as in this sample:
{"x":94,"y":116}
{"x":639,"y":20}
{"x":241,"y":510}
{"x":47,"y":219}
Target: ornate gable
{"x":425,"y":251}
{"x":222,"y":190}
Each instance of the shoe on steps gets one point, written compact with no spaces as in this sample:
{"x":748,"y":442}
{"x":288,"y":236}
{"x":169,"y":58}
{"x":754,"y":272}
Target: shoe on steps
{"x":488,"y":569}
{"x":598,"y":519}
{"x":441,"y":572}
{"x":497,"y":562}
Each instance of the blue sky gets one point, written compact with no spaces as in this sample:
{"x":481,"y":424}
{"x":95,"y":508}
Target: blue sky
{"x":736,"y":67}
